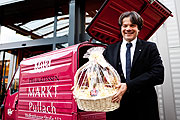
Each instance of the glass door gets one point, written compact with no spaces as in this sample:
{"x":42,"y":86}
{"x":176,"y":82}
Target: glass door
{"x":8,"y":64}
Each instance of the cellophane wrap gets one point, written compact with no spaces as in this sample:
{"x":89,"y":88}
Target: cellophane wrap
{"x":96,"y":79}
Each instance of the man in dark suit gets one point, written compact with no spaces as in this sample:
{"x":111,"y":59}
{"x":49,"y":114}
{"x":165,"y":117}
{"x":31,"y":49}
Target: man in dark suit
{"x":140,"y":69}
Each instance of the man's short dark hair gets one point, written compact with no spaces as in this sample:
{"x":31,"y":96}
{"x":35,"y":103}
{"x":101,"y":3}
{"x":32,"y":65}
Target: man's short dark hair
{"x":135,"y":18}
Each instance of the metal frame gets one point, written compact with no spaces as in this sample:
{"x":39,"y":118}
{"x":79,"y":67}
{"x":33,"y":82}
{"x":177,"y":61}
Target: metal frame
{"x":76,"y":21}
{"x":37,"y":42}
{"x":76,"y":30}
{"x":12,"y":66}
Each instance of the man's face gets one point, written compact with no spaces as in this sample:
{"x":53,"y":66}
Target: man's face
{"x":129,"y":31}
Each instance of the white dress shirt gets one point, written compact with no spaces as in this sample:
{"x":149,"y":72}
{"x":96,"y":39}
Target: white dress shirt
{"x":123,"y":49}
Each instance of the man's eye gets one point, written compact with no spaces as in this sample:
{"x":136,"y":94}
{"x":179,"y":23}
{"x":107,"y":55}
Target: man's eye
{"x":124,"y":25}
{"x":133,"y":25}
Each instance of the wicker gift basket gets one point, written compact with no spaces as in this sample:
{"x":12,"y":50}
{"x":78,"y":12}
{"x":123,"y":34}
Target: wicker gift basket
{"x":94,"y":83}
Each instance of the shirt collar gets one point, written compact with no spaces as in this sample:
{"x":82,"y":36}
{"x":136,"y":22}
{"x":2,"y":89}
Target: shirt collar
{"x":133,"y":42}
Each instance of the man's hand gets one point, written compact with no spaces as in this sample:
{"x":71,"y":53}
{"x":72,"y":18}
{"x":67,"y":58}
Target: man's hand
{"x":122,"y":89}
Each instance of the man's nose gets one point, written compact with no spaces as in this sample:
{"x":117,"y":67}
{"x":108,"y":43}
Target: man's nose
{"x":128,"y":28}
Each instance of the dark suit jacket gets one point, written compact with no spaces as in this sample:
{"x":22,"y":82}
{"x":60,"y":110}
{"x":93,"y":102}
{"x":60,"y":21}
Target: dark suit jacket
{"x":140,"y":100}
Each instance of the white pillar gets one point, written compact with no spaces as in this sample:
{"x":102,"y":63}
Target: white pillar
{"x":167,"y":87}
{"x":177,"y":4}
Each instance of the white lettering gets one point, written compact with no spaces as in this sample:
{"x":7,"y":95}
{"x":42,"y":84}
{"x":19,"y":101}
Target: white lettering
{"x":37,"y":92}
{"x":10,"y":112}
{"x":33,"y":92}
{"x":41,"y":117}
{"x":42,"y":91}
{"x":43,"y":88}
{"x":38,"y":107}
{"x":53,"y":109}
{"x":48,"y":109}
{"x":44,"y":109}
{"x":48,"y":91}
{"x":55,"y":87}
{"x":42,"y":65}
{"x":30,"y":105}
{"x":29,"y":92}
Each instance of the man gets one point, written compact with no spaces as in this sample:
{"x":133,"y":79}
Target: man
{"x":140,"y":68}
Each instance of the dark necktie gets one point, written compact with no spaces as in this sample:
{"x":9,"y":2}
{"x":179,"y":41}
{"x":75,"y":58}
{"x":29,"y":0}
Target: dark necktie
{"x":128,"y":61}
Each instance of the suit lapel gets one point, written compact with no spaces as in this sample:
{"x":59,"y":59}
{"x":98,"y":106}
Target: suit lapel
{"x":118,"y":60}
{"x":115,"y":54}
{"x":137,"y":52}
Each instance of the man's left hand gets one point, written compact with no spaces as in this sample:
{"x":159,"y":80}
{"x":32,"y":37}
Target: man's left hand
{"x":122,"y":89}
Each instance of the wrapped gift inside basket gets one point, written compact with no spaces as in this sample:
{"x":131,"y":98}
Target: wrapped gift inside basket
{"x":94,"y":83}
